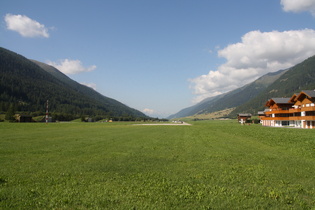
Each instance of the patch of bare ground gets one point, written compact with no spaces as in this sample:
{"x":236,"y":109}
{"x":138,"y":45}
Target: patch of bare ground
{"x":213,"y":115}
{"x":183,"y":123}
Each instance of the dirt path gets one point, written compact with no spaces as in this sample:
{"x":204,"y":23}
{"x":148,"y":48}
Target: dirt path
{"x":184,"y":123}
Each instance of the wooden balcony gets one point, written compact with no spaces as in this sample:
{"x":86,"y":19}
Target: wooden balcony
{"x":295,"y":110}
{"x":276,"y":118}
{"x":295,"y":118}
{"x":307,"y":118}
{"x":306,"y":109}
{"x":278,"y":111}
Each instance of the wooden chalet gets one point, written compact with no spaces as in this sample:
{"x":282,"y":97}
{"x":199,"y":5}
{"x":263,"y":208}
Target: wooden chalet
{"x":297,"y":111}
{"x":261,"y":114}
{"x":243,"y":118}
{"x":278,"y":113}
{"x":303,"y":111}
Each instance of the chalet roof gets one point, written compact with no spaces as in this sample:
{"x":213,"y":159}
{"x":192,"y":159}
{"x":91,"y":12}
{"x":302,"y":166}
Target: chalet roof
{"x":272,"y":101}
{"x":310,"y":93}
{"x":307,"y":93}
{"x":281,"y":100}
{"x":294,"y":98}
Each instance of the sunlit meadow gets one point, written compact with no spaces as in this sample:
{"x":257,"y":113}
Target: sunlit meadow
{"x":208,"y":165}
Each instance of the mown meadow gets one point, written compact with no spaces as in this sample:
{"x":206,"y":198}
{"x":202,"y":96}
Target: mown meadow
{"x":209,"y":165}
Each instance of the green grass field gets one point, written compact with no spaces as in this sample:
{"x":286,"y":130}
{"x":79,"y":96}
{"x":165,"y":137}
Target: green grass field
{"x":209,"y":165}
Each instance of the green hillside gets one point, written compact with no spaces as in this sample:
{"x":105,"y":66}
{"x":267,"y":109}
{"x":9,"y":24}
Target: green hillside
{"x":26,"y":85}
{"x":252,"y":97}
{"x":300,"y":77}
{"x":196,"y":109}
{"x":231,"y":99}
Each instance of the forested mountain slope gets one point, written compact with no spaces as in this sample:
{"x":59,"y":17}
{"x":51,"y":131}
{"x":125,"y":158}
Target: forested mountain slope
{"x":251,"y":98}
{"x":196,"y":109}
{"x":231,"y":99}
{"x":300,"y":77}
{"x":29,"y":84}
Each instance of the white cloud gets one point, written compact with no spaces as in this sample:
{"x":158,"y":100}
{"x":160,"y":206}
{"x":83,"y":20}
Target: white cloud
{"x":148,"y":111}
{"x":67,"y":66}
{"x":25,"y":26}
{"x":91,"y":85}
{"x":298,"y":6}
{"x":257,"y":54}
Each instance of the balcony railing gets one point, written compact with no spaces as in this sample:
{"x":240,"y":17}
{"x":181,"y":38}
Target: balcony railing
{"x":295,"y":110}
{"x":278,"y":111}
{"x":276,"y":118}
{"x":308,"y":118}
{"x":295,"y":118}
{"x":310,"y":108}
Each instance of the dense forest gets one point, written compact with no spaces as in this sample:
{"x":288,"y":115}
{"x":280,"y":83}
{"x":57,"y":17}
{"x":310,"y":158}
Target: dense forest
{"x":25,"y":87}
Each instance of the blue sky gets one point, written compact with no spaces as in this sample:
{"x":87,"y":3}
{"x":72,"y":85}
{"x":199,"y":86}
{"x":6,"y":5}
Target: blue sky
{"x":160,"y":56}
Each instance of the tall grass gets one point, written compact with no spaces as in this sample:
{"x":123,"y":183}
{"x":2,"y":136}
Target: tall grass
{"x":210,"y":165}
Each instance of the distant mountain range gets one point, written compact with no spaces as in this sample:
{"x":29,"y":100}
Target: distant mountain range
{"x":252,"y":97}
{"x":28,"y":84}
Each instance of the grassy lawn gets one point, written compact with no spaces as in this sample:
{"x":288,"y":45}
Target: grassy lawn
{"x":209,"y":165}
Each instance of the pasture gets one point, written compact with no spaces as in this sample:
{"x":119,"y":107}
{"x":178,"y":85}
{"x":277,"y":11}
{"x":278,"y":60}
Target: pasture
{"x":209,"y":165}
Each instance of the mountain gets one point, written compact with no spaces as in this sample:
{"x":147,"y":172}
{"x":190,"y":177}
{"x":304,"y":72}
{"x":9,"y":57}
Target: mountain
{"x":28,"y":84}
{"x":196,"y":109}
{"x":294,"y":80}
{"x":231,"y":99}
{"x":252,"y":97}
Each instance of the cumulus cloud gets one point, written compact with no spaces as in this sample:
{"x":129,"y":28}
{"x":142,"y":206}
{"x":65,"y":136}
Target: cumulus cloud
{"x":25,"y":26}
{"x":257,"y":54}
{"x":148,"y":111}
{"x":298,"y":6}
{"x":91,"y":85}
{"x":67,"y":66}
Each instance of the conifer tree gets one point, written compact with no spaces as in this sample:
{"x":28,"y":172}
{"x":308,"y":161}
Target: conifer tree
{"x":10,"y":113}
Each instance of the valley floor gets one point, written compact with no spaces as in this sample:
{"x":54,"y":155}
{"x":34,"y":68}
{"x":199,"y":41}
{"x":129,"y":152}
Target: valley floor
{"x":183,"y":123}
{"x":209,"y":165}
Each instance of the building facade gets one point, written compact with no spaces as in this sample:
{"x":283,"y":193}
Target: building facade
{"x":297,"y":111}
{"x":243,"y":118}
